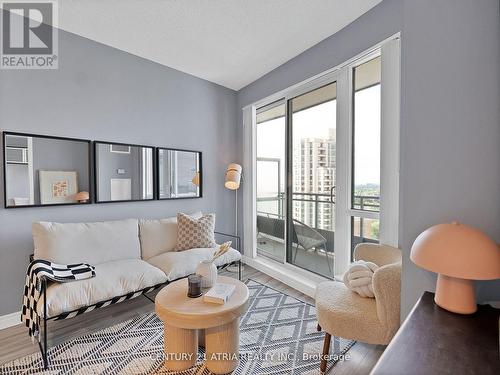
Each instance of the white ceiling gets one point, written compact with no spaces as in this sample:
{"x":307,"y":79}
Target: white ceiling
{"x":229,"y":42}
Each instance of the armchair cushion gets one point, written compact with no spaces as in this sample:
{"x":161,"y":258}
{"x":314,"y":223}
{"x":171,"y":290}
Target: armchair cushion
{"x":378,"y":254}
{"x":387,"y":290}
{"x":346,"y":314}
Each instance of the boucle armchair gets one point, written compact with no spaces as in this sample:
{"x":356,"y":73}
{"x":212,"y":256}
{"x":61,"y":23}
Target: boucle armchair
{"x":342,"y":312}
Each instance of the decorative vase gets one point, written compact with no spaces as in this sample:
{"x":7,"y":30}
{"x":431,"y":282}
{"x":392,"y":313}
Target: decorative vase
{"x":208,"y":272}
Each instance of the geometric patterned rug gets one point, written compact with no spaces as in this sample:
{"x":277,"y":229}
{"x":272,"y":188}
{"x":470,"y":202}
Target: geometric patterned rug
{"x":277,"y":336}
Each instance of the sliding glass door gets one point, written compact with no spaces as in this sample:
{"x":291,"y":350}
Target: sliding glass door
{"x":312,"y":207}
{"x":296,"y":142}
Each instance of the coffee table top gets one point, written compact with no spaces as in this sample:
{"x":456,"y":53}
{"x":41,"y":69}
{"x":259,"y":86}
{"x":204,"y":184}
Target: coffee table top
{"x":175,"y":308}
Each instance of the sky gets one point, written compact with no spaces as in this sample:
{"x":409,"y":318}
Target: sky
{"x":315,"y":122}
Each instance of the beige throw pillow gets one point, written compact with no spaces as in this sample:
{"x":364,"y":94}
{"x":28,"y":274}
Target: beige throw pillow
{"x":195,"y":233}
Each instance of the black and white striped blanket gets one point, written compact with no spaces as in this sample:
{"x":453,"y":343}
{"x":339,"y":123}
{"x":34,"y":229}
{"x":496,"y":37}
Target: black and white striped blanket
{"x":39,"y":269}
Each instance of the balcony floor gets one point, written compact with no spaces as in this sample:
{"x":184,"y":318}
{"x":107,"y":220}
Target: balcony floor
{"x":314,"y":261}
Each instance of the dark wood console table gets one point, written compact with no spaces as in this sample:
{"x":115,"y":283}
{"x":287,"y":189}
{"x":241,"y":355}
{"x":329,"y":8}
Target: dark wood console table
{"x":435,"y":341}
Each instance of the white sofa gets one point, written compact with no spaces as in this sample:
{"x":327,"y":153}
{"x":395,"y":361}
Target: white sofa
{"x":131,"y":257}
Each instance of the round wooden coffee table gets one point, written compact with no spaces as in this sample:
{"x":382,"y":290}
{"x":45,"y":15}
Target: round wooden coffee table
{"x":188,"y":321}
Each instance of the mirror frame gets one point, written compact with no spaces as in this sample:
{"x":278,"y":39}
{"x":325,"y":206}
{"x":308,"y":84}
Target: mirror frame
{"x":96,"y":183}
{"x":200,"y":155}
{"x":89,"y":154}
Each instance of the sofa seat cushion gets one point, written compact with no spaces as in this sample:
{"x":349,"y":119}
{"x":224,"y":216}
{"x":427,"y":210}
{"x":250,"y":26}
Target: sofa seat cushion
{"x":183,"y":263}
{"x":113,"y":279}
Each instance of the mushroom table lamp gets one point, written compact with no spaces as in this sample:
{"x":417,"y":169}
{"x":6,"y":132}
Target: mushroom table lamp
{"x":82,"y":197}
{"x":459,"y":254}
{"x":196,"y":179}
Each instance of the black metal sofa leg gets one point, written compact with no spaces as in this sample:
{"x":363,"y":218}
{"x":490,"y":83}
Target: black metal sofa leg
{"x":44,"y":349}
{"x":239,"y":270}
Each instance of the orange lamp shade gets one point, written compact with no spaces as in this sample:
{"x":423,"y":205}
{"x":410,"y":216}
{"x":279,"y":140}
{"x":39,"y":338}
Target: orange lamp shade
{"x":82,"y":196}
{"x":459,"y":254}
{"x":196,"y":179}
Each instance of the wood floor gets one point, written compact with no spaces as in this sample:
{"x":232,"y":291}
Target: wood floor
{"x":15,"y":343}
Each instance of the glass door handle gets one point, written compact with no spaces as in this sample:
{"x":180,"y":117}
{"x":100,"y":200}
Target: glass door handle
{"x":332,"y":195}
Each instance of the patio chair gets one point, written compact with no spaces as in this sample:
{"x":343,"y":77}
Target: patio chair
{"x":308,"y":238}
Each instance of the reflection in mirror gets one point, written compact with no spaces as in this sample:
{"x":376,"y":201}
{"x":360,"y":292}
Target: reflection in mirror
{"x":42,"y":170}
{"x":179,"y":174}
{"x":123,"y":172}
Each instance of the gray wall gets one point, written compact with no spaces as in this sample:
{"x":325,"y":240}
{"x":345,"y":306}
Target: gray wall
{"x":450,"y":120}
{"x":102,"y":93}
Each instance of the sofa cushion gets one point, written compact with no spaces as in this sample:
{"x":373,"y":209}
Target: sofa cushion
{"x":160,"y":235}
{"x":113,"y":279}
{"x":182,"y":263}
{"x":195,"y":233}
{"x":91,"y":243}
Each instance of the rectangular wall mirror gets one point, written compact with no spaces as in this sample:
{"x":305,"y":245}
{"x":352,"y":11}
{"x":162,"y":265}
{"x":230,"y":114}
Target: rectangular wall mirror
{"x":123,"y":172}
{"x":42,"y":170}
{"x":179,"y":174}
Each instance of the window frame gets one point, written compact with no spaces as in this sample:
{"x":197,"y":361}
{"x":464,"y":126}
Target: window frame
{"x":388,"y":216}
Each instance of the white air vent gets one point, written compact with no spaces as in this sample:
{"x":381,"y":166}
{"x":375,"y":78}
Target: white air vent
{"x":119,"y":149}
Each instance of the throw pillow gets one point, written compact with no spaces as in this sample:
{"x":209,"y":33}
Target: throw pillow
{"x":194,"y":233}
{"x":358,"y":278}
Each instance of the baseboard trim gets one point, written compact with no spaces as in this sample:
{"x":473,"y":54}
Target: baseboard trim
{"x":300,"y":281}
{"x":10,"y":320}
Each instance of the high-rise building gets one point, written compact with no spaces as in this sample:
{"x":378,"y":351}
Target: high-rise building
{"x":314,"y":179}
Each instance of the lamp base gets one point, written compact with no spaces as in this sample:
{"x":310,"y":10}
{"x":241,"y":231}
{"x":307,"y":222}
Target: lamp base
{"x":455,"y":295}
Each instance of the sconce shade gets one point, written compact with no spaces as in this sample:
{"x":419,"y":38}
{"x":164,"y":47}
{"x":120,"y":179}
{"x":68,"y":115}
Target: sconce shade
{"x":459,"y":254}
{"x":457,"y":250}
{"x":233,"y":176}
{"x":196,"y":179}
{"x":82,"y":196}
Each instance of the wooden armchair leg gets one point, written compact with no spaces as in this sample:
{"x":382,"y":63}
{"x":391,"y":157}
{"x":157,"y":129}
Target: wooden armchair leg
{"x":326,"y":351}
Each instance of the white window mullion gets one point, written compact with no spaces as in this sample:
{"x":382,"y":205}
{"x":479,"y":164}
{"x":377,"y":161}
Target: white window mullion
{"x":389,"y":148}
{"x":250,"y":182}
{"x":342,"y":173}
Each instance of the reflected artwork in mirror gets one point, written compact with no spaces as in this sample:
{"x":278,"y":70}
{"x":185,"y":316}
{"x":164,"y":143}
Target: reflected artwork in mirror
{"x":43,"y":170}
{"x":123,"y":172}
{"x":179,"y":174}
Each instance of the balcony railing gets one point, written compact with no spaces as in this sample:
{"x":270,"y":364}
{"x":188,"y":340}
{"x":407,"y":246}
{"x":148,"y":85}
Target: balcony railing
{"x":360,"y":202}
{"x":275,"y":223}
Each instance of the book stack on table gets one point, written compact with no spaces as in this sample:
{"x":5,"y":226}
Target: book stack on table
{"x":219,"y":293}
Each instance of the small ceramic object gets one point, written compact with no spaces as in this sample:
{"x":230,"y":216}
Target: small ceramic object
{"x":208,"y":272}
